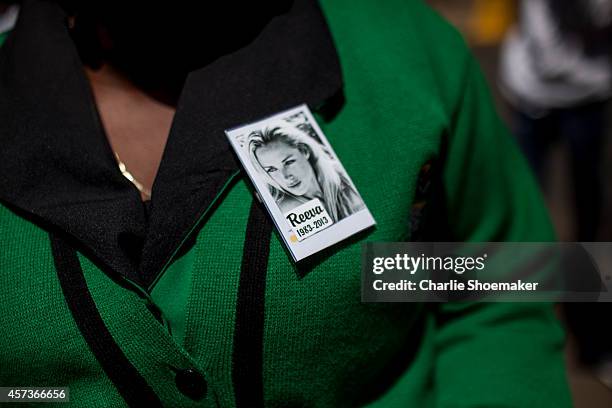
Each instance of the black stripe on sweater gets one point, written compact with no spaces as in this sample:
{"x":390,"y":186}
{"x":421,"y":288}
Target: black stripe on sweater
{"x":248,"y":336}
{"x":128,"y":381}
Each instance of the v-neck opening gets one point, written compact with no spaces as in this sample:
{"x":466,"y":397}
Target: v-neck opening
{"x":110,"y":152}
{"x":68,"y":178}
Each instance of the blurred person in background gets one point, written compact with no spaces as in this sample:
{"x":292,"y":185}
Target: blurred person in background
{"x":556,"y":73}
{"x":8,"y":15}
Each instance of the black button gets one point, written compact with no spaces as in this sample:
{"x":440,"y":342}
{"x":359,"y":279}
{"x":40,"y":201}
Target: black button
{"x":191,"y":384}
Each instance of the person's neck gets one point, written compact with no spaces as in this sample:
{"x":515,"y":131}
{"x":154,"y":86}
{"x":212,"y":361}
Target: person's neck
{"x":165,"y":88}
{"x":136,"y":124}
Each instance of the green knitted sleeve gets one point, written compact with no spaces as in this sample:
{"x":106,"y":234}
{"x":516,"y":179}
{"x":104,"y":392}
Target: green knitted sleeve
{"x":495,"y":354}
{"x":2,"y":38}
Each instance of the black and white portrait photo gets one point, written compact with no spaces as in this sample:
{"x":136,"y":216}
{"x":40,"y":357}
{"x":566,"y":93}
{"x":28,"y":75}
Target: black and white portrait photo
{"x":298,"y":168}
{"x":289,"y":157}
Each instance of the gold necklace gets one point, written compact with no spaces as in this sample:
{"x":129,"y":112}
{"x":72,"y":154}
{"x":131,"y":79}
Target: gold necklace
{"x":143,"y":190}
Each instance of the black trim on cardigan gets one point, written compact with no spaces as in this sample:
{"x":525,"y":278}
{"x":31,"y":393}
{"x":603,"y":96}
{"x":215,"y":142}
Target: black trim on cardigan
{"x":57,"y":164}
{"x":247,"y":371}
{"x":129,"y":383}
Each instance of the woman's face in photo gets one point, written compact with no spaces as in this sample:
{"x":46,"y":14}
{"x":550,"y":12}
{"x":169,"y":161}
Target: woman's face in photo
{"x":289,"y":167}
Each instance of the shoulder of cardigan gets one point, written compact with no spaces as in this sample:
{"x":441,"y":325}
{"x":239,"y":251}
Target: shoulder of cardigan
{"x":57,"y":168}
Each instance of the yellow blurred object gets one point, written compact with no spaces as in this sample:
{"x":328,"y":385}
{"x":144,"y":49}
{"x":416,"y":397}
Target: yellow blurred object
{"x":490,"y":21}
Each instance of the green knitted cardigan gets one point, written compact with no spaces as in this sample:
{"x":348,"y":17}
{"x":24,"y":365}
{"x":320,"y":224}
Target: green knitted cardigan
{"x":412,"y":91}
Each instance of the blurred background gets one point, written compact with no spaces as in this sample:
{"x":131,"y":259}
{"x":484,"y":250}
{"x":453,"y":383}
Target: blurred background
{"x":486,"y":25}
{"x":548,"y":63}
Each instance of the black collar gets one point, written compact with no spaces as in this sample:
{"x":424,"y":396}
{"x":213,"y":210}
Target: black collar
{"x":57,"y":167}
